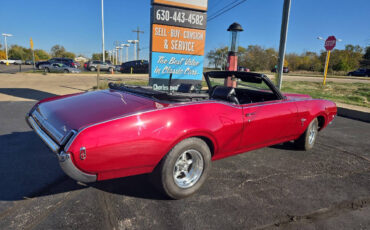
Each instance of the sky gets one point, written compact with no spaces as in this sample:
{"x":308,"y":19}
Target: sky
{"x":76,"y":24}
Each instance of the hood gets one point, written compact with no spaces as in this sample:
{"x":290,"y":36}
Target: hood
{"x":81,"y":110}
{"x":295,"y":96}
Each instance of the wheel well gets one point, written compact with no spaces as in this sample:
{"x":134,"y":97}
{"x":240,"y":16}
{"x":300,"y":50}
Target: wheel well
{"x":321,"y":121}
{"x":209,"y":143}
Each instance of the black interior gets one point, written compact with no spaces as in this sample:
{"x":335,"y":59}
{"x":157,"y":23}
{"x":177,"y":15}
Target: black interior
{"x":224,"y":93}
{"x":246,"y":96}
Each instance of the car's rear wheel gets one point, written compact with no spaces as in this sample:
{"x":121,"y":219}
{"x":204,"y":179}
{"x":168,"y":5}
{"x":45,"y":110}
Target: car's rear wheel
{"x":66,"y":71}
{"x":110,"y":70}
{"x":46,"y":70}
{"x":307,"y":140}
{"x":92,"y":69}
{"x":184,"y":169}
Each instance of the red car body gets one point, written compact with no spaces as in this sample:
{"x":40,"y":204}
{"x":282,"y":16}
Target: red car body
{"x":109,"y":134}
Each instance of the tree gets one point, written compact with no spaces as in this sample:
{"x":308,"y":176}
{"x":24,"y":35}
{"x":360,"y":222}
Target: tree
{"x":218,"y":57}
{"x":256,"y":58}
{"x":41,"y":55}
{"x":367,"y":53}
{"x":99,"y":56}
{"x":2,"y":55}
{"x":60,"y":51}
{"x":19,"y":52}
{"x":57,"y":51}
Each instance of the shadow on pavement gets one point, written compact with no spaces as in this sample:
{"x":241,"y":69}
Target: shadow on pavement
{"x":285,"y":146}
{"x":27,"y":93}
{"x":29,"y":169}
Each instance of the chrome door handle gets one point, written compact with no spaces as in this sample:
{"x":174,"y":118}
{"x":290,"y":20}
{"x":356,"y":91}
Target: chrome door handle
{"x":250,"y":114}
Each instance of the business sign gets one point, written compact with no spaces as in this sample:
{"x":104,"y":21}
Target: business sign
{"x":181,"y":66}
{"x":173,"y":39}
{"x":178,"y":17}
{"x":191,"y":4}
{"x":177,"y":43}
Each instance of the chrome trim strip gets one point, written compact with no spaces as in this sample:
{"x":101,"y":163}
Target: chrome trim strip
{"x":72,"y":171}
{"x":49,"y":128}
{"x":48,"y":141}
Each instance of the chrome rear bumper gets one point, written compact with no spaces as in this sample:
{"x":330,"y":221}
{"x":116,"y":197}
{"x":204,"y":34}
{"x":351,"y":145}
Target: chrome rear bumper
{"x":65,"y":160}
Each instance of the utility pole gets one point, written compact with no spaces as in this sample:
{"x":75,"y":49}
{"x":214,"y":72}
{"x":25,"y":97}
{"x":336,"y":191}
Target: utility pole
{"x":283,"y":35}
{"x":102,"y":27}
{"x":138,"y":31}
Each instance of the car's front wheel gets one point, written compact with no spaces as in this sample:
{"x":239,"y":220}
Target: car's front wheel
{"x":66,"y":71}
{"x":92,"y":69}
{"x":184,"y":169}
{"x":46,"y":70}
{"x":307,"y":140}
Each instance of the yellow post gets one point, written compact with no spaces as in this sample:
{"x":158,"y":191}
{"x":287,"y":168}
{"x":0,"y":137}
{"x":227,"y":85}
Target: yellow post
{"x":131,"y":70}
{"x":326,"y":66}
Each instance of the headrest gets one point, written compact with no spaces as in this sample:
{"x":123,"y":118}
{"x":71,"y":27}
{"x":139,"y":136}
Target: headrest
{"x":222,"y":92}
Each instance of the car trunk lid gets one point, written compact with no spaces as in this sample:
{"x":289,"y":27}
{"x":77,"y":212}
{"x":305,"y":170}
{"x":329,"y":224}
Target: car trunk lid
{"x":78,"y":111}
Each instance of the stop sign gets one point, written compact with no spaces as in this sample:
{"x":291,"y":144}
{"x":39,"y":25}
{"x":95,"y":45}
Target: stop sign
{"x":330,"y":43}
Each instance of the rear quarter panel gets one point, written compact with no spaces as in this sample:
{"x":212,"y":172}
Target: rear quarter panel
{"x":310,"y":109}
{"x":141,"y":140}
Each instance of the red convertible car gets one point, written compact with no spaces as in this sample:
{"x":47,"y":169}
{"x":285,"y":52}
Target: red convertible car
{"x":174,"y":135}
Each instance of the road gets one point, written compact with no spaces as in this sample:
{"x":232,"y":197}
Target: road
{"x":271,"y":188}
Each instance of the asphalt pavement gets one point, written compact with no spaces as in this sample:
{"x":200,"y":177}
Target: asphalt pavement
{"x":272,"y":188}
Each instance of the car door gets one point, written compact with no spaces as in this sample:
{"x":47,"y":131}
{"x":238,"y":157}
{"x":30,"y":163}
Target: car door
{"x":54,"y":67}
{"x":268,"y":122}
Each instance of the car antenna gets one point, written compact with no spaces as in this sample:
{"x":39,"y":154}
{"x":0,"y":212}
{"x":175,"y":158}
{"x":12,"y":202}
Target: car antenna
{"x":169,"y":83}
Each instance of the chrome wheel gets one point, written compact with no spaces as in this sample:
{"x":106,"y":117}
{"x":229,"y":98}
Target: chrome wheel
{"x":312,"y":134}
{"x":188,"y":168}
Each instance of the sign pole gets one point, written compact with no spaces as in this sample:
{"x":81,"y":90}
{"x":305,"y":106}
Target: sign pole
{"x":326,"y":66}
{"x":330,"y":43}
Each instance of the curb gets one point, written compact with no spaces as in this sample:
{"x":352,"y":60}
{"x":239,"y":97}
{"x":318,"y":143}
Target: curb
{"x":354,"y":114}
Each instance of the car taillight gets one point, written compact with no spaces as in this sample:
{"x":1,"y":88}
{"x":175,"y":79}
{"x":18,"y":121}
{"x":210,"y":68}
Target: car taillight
{"x":85,"y":65}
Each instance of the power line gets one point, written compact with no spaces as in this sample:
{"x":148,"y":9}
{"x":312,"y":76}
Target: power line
{"x":214,"y":5}
{"x":224,"y":11}
{"x":222,"y":8}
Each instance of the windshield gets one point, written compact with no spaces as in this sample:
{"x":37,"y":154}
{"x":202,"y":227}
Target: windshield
{"x":238,"y":83}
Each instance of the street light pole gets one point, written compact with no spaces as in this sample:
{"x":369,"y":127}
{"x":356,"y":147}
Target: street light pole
{"x":283,"y":36}
{"x":102,"y":26}
{"x":134,"y":42}
{"x":6,"y":46}
{"x":122,"y":46}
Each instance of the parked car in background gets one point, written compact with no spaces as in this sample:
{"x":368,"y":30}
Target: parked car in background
{"x":28,"y":62}
{"x":174,"y":135}
{"x":67,"y":61}
{"x":104,"y":66}
{"x":138,"y":66}
{"x":360,"y":73}
{"x":117,"y":68}
{"x":60,"y":68}
{"x":40,"y":64}
{"x":245,"y":69}
{"x":11,"y":61}
{"x":285,"y":70}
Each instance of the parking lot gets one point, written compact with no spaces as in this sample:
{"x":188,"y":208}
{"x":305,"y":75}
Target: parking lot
{"x":272,"y":188}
